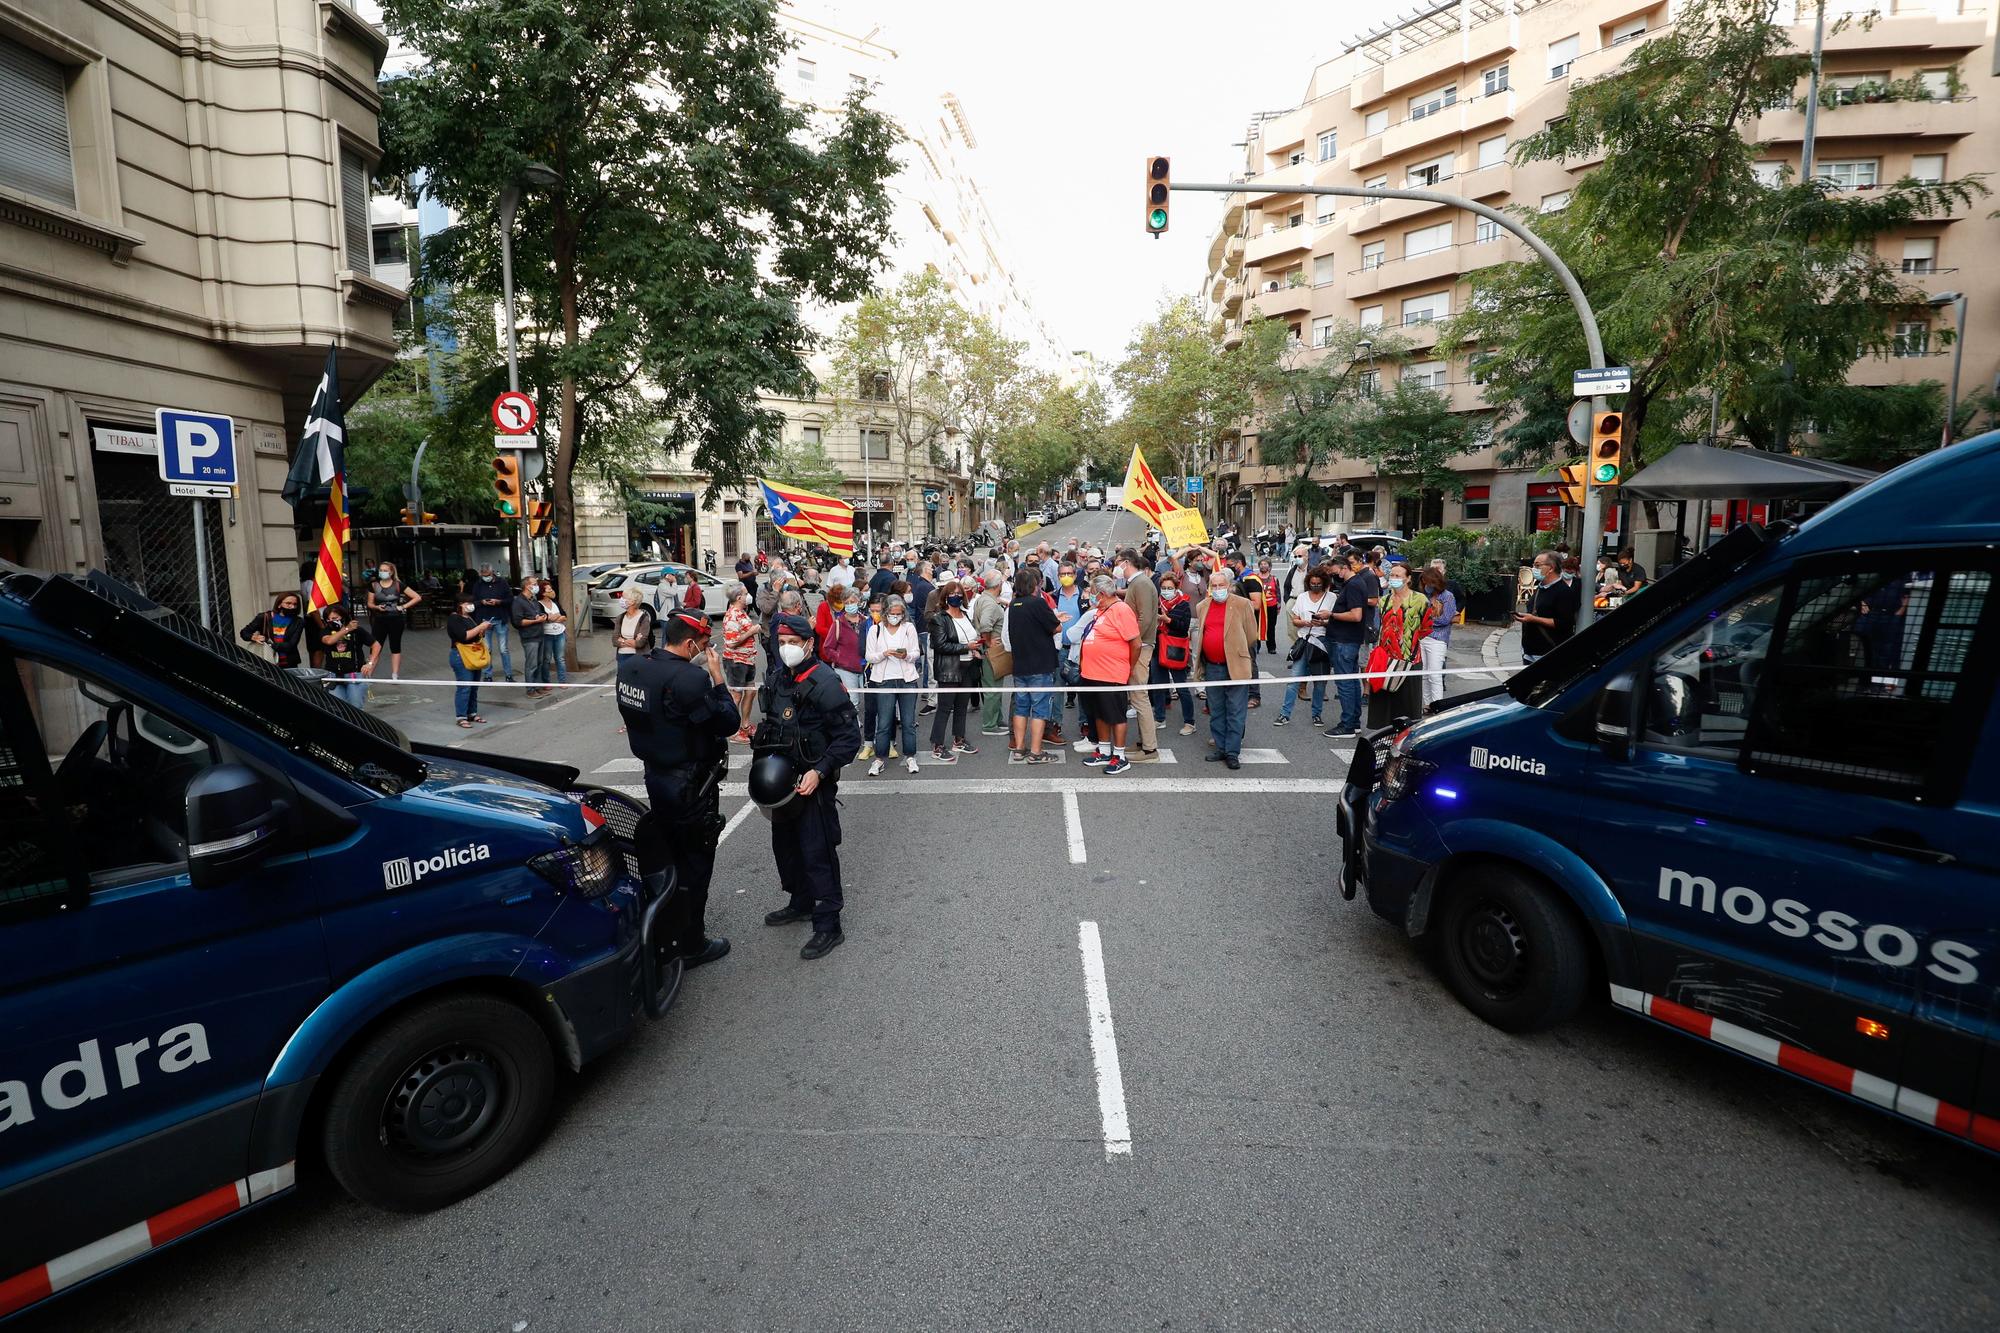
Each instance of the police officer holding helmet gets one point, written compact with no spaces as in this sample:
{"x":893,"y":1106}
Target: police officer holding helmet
{"x":679,"y":717}
{"x":808,"y":732}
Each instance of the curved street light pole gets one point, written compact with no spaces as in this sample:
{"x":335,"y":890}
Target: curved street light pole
{"x":1593,"y":524}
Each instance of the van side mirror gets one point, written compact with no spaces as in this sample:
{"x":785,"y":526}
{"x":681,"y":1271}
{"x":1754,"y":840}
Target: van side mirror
{"x":1673,"y":705}
{"x":232,"y":824}
{"x":1615,"y":720}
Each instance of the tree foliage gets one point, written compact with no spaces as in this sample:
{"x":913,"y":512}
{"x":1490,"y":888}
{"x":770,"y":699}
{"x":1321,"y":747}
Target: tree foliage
{"x":1702,"y":276}
{"x":1185,"y":393}
{"x":697,"y":211}
{"x":806,"y":463}
{"x":1064,"y":429}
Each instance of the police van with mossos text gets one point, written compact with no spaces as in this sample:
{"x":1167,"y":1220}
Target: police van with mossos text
{"x":244,"y":924}
{"x":1759,"y":803}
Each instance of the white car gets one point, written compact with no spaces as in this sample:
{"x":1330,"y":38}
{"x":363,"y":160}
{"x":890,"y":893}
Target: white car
{"x":607,"y":596}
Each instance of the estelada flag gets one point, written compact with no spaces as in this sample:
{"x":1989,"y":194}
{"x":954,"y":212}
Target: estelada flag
{"x":1180,"y":525}
{"x":810,"y":516}
{"x":322,"y":461}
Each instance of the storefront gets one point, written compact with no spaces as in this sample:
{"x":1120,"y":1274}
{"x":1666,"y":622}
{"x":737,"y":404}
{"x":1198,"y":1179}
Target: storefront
{"x":660,"y":525}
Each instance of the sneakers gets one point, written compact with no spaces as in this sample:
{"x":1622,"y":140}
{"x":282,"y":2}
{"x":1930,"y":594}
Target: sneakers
{"x":1281,"y":721}
{"x":996,"y":731}
{"x":927,"y":710}
{"x":962,"y":748}
{"x":867,"y":751}
{"x":1130,"y":712}
{"x":940,"y":755}
{"x":1318,"y":721}
{"x":1097,"y":759}
{"x":875,"y":769}
{"x":1117,"y":766}
{"x":912,"y":764}
{"x":1339,"y":731}
{"x":1084,"y":747}
{"x":1143,"y":756}
{"x":1187,"y":728}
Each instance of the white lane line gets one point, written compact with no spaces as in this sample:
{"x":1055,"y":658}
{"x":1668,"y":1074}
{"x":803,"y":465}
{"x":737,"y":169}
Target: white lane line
{"x":628,"y":764}
{"x":1104,"y":1044}
{"x":1073,"y":821}
{"x":1262,"y":757}
{"x":742,"y":813}
{"x":1097,"y":784}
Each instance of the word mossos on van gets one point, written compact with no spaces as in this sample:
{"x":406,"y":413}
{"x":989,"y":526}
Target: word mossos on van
{"x":403,"y":872}
{"x":1951,"y":960}
{"x":73,"y":1083}
{"x":1485,"y":760}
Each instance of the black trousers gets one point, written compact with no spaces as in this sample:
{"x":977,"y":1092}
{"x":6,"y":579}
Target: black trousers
{"x":950,"y":714}
{"x":807,"y":851}
{"x":689,"y":830}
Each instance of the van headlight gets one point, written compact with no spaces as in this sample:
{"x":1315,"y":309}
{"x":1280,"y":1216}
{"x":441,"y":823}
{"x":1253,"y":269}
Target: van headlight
{"x":588,"y":869}
{"x":1404,"y":770}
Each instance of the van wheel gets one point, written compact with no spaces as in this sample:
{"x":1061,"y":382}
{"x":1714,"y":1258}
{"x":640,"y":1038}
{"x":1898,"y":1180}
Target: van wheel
{"x":1511,"y":951}
{"x":439,"y":1104}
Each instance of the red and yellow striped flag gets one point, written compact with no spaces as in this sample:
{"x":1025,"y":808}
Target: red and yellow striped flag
{"x":1180,"y":525}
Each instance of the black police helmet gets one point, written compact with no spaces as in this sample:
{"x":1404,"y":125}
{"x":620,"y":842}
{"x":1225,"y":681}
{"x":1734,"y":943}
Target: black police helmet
{"x":774,"y":783}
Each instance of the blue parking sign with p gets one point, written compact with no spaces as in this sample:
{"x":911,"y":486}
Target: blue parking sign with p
{"x":197,"y":447}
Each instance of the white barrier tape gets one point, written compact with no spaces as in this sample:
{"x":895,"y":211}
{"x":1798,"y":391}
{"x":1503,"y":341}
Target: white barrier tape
{"x":1192,"y":683}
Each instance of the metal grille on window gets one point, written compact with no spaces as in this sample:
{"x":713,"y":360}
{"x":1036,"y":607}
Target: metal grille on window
{"x":149,"y":538}
{"x":34,"y":126}
{"x":354,"y":212}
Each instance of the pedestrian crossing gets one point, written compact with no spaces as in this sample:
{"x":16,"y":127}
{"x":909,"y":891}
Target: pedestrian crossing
{"x":855,"y":775}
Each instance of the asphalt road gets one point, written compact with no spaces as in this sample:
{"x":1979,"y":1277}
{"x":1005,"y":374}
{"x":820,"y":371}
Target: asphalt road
{"x":909,"y":1133}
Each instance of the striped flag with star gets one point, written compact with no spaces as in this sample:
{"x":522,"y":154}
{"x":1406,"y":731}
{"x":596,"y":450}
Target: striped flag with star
{"x":810,"y":516}
{"x":1180,"y":525}
{"x":322,"y":461}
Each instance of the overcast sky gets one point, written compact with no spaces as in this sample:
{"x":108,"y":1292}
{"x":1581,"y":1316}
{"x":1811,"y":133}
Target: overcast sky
{"x":1068,"y":99}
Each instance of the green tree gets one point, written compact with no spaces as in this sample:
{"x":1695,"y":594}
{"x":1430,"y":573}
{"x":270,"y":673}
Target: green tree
{"x":806,"y":464}
{"x":1316,"y":406}
{"x":1185,"y":393}
{"x":1047,"y":444}
{"x":697,"y":211}
{"x":1415,"y":438}
{"x":1703,"y":277}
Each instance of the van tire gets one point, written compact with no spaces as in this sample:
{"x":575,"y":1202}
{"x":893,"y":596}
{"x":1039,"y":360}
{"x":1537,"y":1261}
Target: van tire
{"x":1511,"y":950}
{"x":439,"y":1104}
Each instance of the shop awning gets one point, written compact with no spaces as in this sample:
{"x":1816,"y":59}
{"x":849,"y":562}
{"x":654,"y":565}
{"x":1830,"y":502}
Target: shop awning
{"x":1704,"y":472}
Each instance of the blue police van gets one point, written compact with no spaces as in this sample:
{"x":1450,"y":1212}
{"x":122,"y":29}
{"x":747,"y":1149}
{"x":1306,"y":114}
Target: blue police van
{"x":1758,"y":803}
{"x":244,"y":924}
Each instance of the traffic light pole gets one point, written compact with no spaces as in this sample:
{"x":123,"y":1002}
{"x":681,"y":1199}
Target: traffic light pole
{"x":1593,"y":520}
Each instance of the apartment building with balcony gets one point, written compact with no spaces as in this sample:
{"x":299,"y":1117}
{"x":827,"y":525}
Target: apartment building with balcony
{"x":184,"y":223}
{"x":1438,"y":98}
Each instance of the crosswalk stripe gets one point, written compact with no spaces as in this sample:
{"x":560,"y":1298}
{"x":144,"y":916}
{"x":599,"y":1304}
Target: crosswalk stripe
{"x":1262,"y":757}
{"x":626,"y":765}
{"x":1093,"y":784}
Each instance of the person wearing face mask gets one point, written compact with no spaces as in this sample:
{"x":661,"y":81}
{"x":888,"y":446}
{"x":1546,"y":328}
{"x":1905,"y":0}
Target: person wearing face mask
{"x":891,"y":653}
{"x":1225,"y":626}
{"x":1142,"y":595}
{"x":1271,"y":611}
{"x":955,"y":640}
{"x":840,"y":645}
{"x":679,"y":715}
{"x":1108,"y":658}
{"x":493,"y":597}
{"x":527,"y":616}
{"x":470,"y":660}
{"x":1407,"y":617}
{"x":555,"y":631}
{"x":1552,"y":605}
{"x":282,"y":629}
{"x":809,"y":719}
{"x":917,"y":600}
{"x":1172,"y":655}
{"x":1310,"y":612}
{"x":344,"y":643}
{"x":389,"y":603}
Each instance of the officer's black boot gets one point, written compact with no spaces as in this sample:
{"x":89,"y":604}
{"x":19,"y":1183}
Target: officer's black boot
{"x":787,"y":914}
{"x":822,"y":943}
{"x":706,"y":951}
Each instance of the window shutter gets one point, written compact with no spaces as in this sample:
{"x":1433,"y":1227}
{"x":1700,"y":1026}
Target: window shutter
{"x":34,"y":126}
{"x":354,"y":211}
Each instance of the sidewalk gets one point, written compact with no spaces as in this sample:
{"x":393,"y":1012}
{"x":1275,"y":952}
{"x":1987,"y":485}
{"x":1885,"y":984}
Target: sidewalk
{"x":424,"y":712}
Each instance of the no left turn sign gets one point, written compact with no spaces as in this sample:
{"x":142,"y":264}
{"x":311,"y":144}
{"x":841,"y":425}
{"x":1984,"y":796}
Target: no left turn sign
{"x":514,"y":413}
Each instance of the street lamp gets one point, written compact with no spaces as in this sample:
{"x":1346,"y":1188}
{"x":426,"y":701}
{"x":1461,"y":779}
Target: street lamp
{"x":538,"y":175}
{"x":1939,"y":302}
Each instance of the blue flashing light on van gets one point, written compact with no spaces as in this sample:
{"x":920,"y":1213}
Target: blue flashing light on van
{"x":242,"y":922}
{"x":1759,"y":804}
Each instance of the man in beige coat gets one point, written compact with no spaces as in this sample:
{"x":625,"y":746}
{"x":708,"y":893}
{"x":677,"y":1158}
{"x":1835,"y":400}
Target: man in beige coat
{"x":1143,"y":596}
{"x":1224,"y":625}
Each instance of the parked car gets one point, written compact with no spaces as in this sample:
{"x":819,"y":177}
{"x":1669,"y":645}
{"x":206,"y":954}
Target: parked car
{"x":607,"y":595}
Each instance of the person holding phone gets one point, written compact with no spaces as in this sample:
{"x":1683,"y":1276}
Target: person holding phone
{"x":1311,"y":613}
{"x":891,"y":656}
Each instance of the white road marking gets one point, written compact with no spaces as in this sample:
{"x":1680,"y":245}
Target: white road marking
{"x":1262,"y":757}
{"x":628,"y":764}
{"x":742,"y":813}
{"x":1097,"y":785}
{"x":1104,"y":1044}
{"x":1073,"y":821}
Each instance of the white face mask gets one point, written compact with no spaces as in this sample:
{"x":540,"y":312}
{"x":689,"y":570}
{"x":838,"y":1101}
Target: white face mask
{"x":1218,"y":594}
{"x":792,"y":653}
{"x":895,"y":617}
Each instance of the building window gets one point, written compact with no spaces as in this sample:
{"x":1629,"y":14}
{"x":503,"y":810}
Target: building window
{"x":808,"y":70}
{"x":1362,"y":513}
{"x":1296,"y":220}
{"x":34,"y":126}
{"x":875,"y":445}
{"x":1928,"y":168}
{"x":810,"y":436}
{"x":1847,"y":88}
{"x":1371,"y":317}
{"x":1325,"y":209}
{"x":1329,"y":145}
{"x":1913,"y":338}
{"x":1323,"y":270}
{"x":1561,"y":53}
{"x":1484,"y":230}
{"x":1555,"y":203}
{"x":1937,"y":82}
{"x":1322,"y":331}
{"x":1375,"y":183}
{"x":1425,"y":375}
{"x":354,"y":211}
{"x":1770,"y":175}
{"x":1479,"y":368}
{"x":1478,"y":504}
{"x":1374,"y":123}
{"x":1424,"y":240}
{"x":1368,"y":383}
{"x":392,"y":245}
{"x":1629,"y":30}
{"x":1297,"y":156}
{"x":1920,"y":255}
{"x":1855,"y":174}
{"x":1429,"y":104}
{"x":1371,"y":254}
{"x":1492,"y":152}
{"x":1426,"y":174}
{"x":1493,"y":80}
{"x":1427,"y":309}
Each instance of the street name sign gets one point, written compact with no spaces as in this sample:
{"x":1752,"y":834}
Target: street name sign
{"x":1611,"y":379}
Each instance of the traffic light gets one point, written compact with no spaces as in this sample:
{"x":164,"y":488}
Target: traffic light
{"x":1572,"y":485}
{"x":1607,"y":448}
{"x":409,"y":517}
{"x":507,"y":485}
{"x":540,"y":515}
{"x":1159,"y":186}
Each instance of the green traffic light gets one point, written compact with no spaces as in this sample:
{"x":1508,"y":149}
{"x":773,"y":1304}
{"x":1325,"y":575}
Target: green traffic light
{"x":1157,"y":219}
{"x":1607,"y":472}
{"x":507,"y":508}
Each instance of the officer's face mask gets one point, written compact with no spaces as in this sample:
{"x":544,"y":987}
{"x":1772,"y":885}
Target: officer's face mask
{"x":791,"y":654}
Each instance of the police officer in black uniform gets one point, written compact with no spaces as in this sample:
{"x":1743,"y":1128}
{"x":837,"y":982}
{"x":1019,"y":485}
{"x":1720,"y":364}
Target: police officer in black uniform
{"x":679,"y":717}
{"x":808,"y":718}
